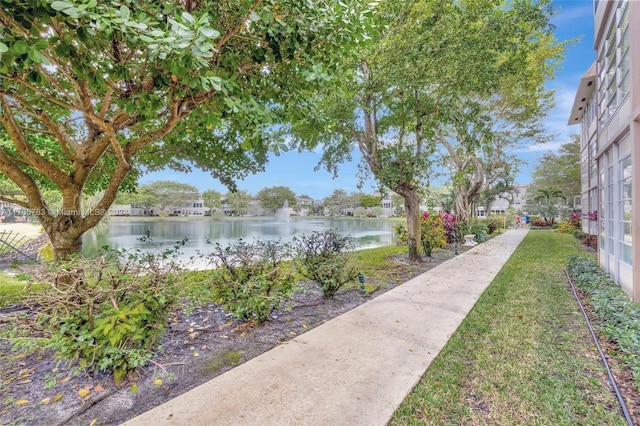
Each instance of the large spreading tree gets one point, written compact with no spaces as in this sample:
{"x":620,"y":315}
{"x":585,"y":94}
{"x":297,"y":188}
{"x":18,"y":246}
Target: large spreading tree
{"x":93,"y":93}
{"x":427,"y":57}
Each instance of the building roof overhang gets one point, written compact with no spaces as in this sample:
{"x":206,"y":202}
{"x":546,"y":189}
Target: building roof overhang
{"x":585,"y":89}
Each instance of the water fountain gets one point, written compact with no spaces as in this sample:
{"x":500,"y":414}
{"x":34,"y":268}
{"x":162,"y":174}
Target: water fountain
{"x":283,"y":214}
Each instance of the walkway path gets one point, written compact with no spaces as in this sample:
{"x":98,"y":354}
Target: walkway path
{"x":355,"y":369}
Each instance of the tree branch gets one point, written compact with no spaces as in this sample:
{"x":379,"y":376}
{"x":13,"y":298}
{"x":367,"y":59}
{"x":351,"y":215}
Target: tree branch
{"x":14,"y":201}
{"x":27,"y":185}
{"x":25,"y":150}
{"x":237,"y":29}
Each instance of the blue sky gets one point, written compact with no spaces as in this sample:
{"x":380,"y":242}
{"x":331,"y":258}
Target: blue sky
{"x":296,"y":170}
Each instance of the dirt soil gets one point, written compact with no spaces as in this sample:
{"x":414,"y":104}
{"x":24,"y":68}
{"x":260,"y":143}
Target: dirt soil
{"x":38,"y":390}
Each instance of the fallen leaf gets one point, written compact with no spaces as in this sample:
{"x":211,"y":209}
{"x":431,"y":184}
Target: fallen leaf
{"x":55,"y":370}
{"x":88,"y":397}
{"x":22,"y":401}
{"x":9,"y":380}
{"x":23,"y":382}
{"x":57,"y":398}
{"x":229,"y":323}
{"x":193,"y":335}
{"x":46,"y":401}
{"x":25,"y":372}
{"x":157,"y":382}
{"x":87,"y":386}
{"x":93,"y":422}
{"x":305,"y":326}
{"x":83,"y":392}
{"x":98,"y":388}
{"x":134,"y":388}
{"x":293,"y":333}
{"x":65,"y":380}
{"x":196,"y":354}
{"x":244,"y":333}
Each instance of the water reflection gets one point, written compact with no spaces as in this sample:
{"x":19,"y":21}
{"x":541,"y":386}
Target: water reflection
{"x":165,"y":233}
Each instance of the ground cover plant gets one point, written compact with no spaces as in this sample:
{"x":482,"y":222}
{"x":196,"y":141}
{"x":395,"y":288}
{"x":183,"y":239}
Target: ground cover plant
{"x":523,"y":355}
{"x":618,"y":318}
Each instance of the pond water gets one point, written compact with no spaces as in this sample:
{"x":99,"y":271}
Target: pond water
{"x":119,"y":234}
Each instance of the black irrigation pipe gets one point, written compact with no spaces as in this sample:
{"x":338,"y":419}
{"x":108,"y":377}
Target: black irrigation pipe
{"x":616,"y":389}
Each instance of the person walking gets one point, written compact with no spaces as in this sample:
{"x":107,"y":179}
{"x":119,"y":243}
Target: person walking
{"x":517,"y":221}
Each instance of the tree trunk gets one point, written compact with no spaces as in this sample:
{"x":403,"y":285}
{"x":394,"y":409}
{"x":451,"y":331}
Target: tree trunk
{"x":65,"y":246}
{"x":412,"y":208}
{"x":462,"y":207}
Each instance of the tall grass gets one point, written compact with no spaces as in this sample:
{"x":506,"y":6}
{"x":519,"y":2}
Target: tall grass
{"x":523,"y":355}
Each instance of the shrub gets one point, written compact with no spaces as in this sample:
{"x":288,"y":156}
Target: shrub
{"x":252,"y":280}
{"x":326,"y":258}
{"x":401,"y":233}
{"x":492,"y":225}
{"x":539,"y":223}
{"x":568,"y":227}
{"x":618,"y":318}
{"x":433,"y":233}
{"x":478,"y":228}
{"x":590,"y":241}
{"x":107,"y":313}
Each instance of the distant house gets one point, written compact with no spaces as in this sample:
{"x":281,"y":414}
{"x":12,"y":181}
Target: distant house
{"x":607,"y":106}
{"x":304,"y":205}
{"x":193,"y":207}
{"x":516,"y":200}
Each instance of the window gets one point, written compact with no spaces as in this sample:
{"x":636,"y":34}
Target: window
{"x":601,"y":208}
{"x":625,"y":213}
{"x":584,"y":169}
{"x":613,"y":64}
{"x":593,"y":165}
{"x":610,"y":205}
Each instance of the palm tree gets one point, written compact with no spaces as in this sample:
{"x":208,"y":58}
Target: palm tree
{"x":547,"y":198}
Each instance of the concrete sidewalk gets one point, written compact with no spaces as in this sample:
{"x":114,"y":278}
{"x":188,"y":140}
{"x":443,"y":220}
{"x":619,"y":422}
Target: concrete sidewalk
{"x":355,"y":369}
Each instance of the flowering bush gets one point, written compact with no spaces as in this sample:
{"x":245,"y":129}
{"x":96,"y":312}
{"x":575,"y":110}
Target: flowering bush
{"x":451,"y":229}
{"x":433,"y":232}
{"x":541,"y":223}
{"x":592,"y":215}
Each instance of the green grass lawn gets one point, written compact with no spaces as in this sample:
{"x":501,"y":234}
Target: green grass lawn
{"x":523,"y":355}
{"x":12,"y":289}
